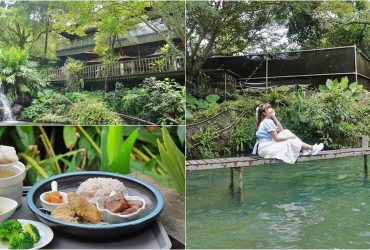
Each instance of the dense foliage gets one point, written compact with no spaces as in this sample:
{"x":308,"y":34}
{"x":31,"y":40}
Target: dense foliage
{"x":161,"y":102}
{"x":336,"y":114}
{"x":148,"y":150}
{"x":18,"y":74}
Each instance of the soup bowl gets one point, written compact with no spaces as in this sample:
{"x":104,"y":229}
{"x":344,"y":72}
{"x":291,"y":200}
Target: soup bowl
{"x":11,"y":187}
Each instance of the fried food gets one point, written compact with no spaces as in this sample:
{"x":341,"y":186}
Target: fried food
{"x":87,"y":211}
{"x":65,"y":212}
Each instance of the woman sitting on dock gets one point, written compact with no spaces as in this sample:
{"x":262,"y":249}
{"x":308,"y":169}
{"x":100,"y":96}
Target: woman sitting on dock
{"x":273,"y":141}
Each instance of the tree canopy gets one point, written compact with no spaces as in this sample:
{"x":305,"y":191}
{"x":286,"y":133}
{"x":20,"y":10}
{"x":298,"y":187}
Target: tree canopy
{"x":229,"y":28}
{"x":330,"y":24}
{"x":28,"y":24}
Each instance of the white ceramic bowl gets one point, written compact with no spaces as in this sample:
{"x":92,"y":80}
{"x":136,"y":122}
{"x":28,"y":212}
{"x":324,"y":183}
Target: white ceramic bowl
{"x":11,"y":187}
{"x":7,"y":207}
{"x":108,"y":216}
{"x":49,"y":206}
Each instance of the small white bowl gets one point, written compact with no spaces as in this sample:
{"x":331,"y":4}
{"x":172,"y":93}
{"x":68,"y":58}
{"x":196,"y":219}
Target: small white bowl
{"x":49,"y":206}
{"x":7,"y":208}
{"x":108,"y":216}
{"x":11,"y":187}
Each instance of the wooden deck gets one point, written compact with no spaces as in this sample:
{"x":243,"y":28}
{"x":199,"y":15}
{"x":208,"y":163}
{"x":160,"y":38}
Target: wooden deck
{"x":130,"y":69}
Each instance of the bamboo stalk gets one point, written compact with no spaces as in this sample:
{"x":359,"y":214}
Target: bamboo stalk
{"x":50,"y":149}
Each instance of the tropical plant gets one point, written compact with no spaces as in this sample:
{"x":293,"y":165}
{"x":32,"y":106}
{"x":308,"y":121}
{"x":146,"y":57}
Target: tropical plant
{"x":193,"y":104}
{"x":18,"y":74}
{"x":74,"y":69}
{"x":173,"y":161}
{"x":109,"y":148}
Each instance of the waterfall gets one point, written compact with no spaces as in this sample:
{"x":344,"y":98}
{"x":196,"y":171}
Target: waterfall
{"x":5,"y":106}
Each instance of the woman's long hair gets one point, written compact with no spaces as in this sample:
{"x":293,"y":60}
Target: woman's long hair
{"x":260,"y":109}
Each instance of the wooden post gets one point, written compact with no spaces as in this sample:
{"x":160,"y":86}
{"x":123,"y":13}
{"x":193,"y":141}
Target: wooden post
{"x":231,"y":178}
{"x":365,"y":144}
{"x":267,"y":74}
{"x":240,"y":179}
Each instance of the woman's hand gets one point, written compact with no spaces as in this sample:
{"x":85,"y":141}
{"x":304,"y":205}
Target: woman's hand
{"x":270,"y":113}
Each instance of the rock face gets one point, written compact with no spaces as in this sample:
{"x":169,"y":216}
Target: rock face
{"x":16,"y":109}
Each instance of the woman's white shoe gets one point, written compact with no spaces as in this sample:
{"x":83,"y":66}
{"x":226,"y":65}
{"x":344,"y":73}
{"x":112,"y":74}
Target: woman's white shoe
{"x":317,"y":148}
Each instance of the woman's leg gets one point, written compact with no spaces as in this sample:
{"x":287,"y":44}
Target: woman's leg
{"x":304,"y":146}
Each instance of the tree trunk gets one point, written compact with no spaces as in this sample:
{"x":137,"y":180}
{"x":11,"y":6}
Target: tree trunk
{"x":46,"y":39}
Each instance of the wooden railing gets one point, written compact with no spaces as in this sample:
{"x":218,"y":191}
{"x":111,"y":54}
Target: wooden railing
{"x":130,"y":67}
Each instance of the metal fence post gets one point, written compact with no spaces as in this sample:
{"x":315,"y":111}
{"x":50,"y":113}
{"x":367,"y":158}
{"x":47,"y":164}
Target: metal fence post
{"x":356,"y":73}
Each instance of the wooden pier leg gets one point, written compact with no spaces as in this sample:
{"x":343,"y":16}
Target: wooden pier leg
{"x":365,"y":144}
{"x":365,"y":164}
{"x":240,"y":179}
{"x":231,"y":178}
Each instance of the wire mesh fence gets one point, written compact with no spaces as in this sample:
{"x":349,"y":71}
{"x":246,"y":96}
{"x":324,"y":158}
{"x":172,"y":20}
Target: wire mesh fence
{"x":311,"y":67}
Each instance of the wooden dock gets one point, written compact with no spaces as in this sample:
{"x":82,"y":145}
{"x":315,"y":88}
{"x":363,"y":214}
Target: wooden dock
{"x":238,"y":163}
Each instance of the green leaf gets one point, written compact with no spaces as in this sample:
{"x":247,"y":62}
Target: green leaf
{"x":173,"y":161}
{"x":34,"y":164}
{"x":353,"y":86}
{"x":181,"y":134}
{"x":114,"y":142}
{"x":70,"y":136}
{"x":144,"y":135}
{"x":26,"y":136}
{"x":329,"y":84}
{"x":212,"y":98}
{"x":104,"y":162}
{"x":121,"y":164}
{"x":344,"y":82}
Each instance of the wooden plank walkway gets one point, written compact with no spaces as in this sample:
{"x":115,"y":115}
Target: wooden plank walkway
{"x":238,"y":163}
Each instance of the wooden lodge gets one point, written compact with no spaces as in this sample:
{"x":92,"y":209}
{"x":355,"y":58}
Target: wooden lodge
{"x":137,"y":55}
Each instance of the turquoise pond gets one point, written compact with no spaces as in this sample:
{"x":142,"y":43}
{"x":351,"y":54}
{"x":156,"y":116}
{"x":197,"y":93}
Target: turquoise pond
{"x":317,"y":204}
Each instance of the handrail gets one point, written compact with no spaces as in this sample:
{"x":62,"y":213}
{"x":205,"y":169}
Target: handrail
{"x":130,"y":67}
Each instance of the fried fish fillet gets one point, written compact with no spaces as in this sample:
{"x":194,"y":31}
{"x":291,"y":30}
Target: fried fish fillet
{"x":65,"y":212}
{"x":87,"y":211}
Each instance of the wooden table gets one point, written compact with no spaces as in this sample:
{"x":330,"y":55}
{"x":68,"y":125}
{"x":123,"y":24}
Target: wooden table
{"x":173,"y":214}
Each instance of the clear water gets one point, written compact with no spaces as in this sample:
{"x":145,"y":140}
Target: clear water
{"x":317,"y":204}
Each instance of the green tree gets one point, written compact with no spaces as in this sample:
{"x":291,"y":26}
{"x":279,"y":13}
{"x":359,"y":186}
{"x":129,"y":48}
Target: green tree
{"x":23,"y":24}
{"x":113,"y":19}
{"x":226,"y":28}
{"x":319,"y":24}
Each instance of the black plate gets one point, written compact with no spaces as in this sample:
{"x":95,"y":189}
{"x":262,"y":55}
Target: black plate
{"x":70,"y":181}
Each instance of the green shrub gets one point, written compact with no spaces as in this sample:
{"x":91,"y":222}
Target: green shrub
{"x":92,"y":112}
{"x":74,"y":69}
{"x":32,"y":112}
{"x":243,"y":136}
{"x":332,"y":115}
{"x":154,"y":100}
